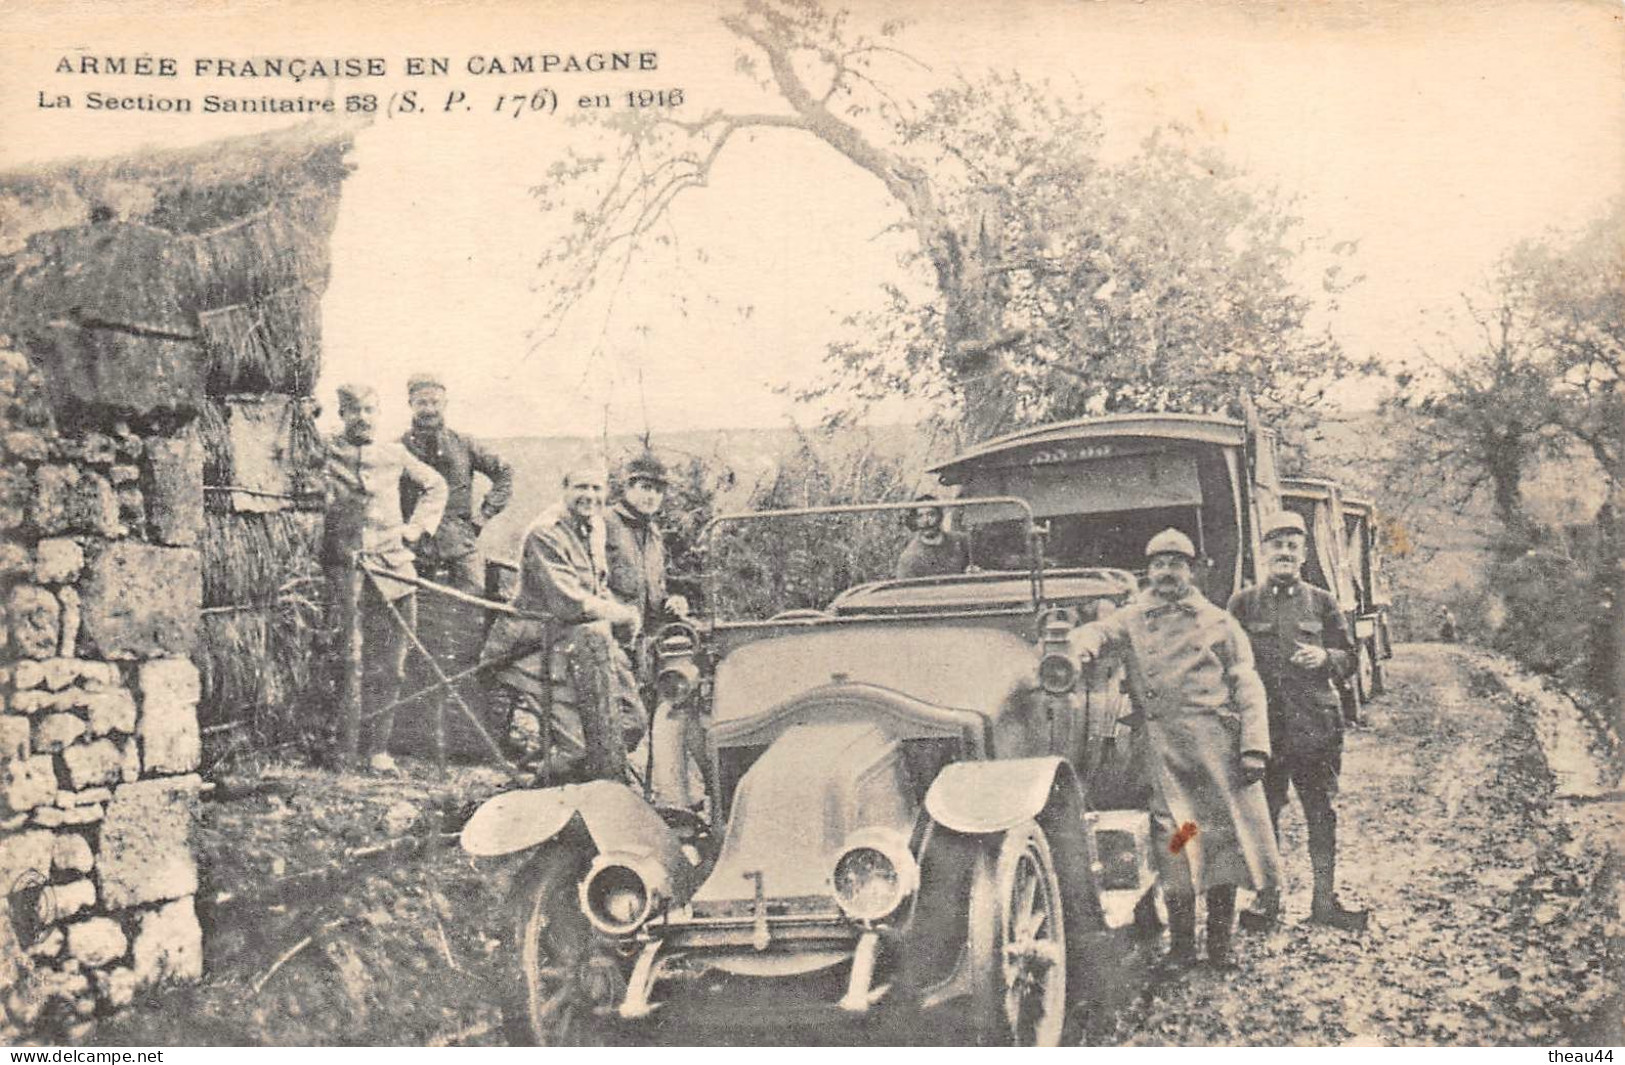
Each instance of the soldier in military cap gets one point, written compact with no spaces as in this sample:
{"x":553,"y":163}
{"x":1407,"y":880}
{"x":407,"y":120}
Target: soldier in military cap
{"x":1301,"y":643}
{"x":1203,"y":730}
{"x":451,"y":554}
{"x":635,"y":544}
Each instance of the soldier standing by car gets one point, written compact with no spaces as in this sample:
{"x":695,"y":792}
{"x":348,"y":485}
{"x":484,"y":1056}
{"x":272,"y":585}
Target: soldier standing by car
{"x":1203,"y":727}
{"x":568,"y":733}
{"x":451,"y":554}
{"x":1303,"y":648}
{"x":363,"y":525}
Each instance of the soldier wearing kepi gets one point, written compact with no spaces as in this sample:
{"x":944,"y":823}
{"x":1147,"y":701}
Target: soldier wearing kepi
{"x":1203,"y":729}
{"x":451,"y":555}
{"x":1302,"y":646}
{"x":363,"y":525}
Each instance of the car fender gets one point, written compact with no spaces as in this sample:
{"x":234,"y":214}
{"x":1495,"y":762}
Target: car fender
{"x":615,"y":819}
{"x":982,"y":797}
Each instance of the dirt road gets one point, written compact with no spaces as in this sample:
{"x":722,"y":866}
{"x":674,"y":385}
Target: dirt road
{"x":1495,"y":898}
{"x":1493,"y":882}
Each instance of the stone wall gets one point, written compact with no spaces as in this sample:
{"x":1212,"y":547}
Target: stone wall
{"x":99,"y":743}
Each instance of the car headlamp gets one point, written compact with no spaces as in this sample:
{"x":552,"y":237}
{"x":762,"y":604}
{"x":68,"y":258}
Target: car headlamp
{"x":620,"y":891}
{"x":1057,"y":673}
{"x":873,"y":875}
{"x":677,"y":681}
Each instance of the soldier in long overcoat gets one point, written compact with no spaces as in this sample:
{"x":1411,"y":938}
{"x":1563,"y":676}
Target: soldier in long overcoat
{"x":1204,"y":732}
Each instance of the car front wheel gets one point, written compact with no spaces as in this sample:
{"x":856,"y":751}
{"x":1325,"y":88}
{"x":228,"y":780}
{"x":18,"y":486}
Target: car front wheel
{"x":562,"y":976}
{"x":1017,"y":943}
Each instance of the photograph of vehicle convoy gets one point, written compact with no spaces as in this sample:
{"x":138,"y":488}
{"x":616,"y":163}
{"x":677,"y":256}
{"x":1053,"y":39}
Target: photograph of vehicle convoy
{"x":1344,"y":560}
{"x":921,"y":819}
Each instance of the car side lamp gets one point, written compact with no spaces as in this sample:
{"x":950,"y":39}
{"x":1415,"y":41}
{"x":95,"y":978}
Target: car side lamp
{"x":1057,"y":670}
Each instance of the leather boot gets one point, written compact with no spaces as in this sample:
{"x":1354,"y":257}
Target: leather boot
{"x":1326,"y":909}
{"x":1265,"y":912}
{"x":1181,"y":932}
{"x":1221,"y":911}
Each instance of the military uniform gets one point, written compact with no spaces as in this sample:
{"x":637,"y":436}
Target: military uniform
{"x":1202,"y":719}
{"x":562,"y":574}
{"x":363,"y":518}
{"x":1306,"y":713}
{"x":452,"y":552}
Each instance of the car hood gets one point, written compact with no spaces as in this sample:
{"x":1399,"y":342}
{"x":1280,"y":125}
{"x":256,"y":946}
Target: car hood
{"x":797,"y":804}
{"x":965,"y":667}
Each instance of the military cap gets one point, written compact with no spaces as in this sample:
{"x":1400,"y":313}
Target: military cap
{"x":419,"y":381}
{"x":646,"y":467}
{"x":1282,"y":523}
{"x":1171,"y":542}
{"x":351,"y":396}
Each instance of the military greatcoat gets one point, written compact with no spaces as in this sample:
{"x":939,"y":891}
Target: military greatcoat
{"x":1200,"y":705}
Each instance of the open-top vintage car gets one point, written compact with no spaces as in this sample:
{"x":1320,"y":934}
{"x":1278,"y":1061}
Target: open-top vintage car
{"x":919,"y":817}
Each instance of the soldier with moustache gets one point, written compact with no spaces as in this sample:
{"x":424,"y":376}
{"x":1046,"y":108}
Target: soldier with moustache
{"x":1302,"y":648}
{"x":451,"y":555}
{"x":1203,"y":733}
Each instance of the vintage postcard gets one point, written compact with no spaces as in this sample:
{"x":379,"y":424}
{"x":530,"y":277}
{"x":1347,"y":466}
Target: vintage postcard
{"x":1058,"y":522}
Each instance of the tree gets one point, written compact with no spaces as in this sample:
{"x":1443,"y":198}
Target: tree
{"x":1042,"y":282}
{"x":1543,"y":378}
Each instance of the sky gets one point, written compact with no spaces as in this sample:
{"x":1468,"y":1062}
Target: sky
{"x":1435,"y":134}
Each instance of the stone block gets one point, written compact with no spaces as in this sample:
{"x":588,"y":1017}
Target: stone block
{"x":15,"y":561}
{"x":109,"y":711}
{"x":130,"y":765}
{"x":28,"y":674}
{"x":60,"y":673}
{"x":53,"y":732}
{"x":27,"y":445}
{"x":25,"y":854}
{"x":88,"y":797}
{"x":71,"y":853}
{"x":146,"y":851}
{"x":50,"y":945}
{"x":36,"y":619}
{"x":93,"y":763}
{"x":124,"y":474}
{"x":132,"y":507}
{"x":71,"y":617}
{"x":57,"y":560}
{"x":174,"y":488}
{"x":116,"y":986}
{"x":168,"y":727}
{"x":66,"y":900}
{"x":70,"y":500}
{"x":37,"y":701}
{"x":97,"y":941}
{"x":169,"y":945}
{"x":98,"y":676}
{"x":111,"y":373}
{"x":26,"y":783}
{"x":16,"y":489}
{"x":14,"y":738}
{"x":67,"y":816}
{"x":141,"y":601}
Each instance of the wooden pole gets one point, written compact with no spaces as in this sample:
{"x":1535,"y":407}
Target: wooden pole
{"x":354,"y":663}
